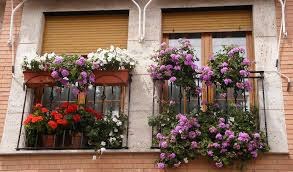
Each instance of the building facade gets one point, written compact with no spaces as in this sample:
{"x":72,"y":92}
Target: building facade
{"x":61,"y":26}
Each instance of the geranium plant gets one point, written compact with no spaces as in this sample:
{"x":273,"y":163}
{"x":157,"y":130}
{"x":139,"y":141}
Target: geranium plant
{"x":111,"y":59}
{"x":178,"y":65}
{"x":75,"y":71}
{"x":228,"y":68}
{"x":36,"y":124}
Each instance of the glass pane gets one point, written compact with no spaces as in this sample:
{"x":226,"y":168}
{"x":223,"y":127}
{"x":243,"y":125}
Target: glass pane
{"x":228,"y":38}
{"x":54,"y":96}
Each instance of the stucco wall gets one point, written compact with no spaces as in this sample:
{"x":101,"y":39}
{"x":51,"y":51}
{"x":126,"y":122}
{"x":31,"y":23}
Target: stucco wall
{"x":31,"y":30}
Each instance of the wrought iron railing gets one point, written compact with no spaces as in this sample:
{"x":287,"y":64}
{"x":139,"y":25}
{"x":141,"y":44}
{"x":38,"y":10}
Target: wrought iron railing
{"x":185,"y":102}
{"x":100,"y":98}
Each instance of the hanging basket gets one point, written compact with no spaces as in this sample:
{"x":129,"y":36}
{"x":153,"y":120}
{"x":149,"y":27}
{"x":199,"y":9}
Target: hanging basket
{"x":118,"y":77}
{"x":34,"y":79}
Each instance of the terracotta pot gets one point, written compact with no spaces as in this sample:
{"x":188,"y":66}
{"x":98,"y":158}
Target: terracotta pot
{"x":48,"y":141}
{"x":76,"y":140}
{"x":118,"y":77}
{"x":37,"y":79}
{"x":81,"y":98}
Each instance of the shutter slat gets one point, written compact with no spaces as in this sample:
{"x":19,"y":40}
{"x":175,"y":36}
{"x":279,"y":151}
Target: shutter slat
{"x":84,"y":34}
{"x":207,"y":21}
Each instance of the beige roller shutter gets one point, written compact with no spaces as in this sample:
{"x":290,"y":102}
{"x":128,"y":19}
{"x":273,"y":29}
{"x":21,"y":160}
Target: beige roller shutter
{"x":207,"y":21}
{"x":81,"y":34}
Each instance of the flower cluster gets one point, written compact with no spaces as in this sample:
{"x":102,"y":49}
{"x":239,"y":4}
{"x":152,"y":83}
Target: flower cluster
{"x":37,"y":62}
{"x":221,"y":136}
{"x":228,"y":69}
{"x":108,"y":133}
{"x":225,"y":145}
{"x":73,"y":71}
{"x":177,"y":65}
{"x":181,"y":144}
{"x":111,"y":59}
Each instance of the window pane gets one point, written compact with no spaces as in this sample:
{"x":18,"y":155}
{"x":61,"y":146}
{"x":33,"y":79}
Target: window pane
{"x":54,"y":96}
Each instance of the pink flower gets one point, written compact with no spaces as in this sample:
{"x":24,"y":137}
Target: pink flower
{"x":172,"y":79}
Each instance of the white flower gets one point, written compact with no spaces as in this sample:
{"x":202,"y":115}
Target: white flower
{"x":91,"y":55}
{"x":112,"y":139}
{"x":121,"y":136}
{"x":51,"y":55}
{"x":185,"y":160}
{"x":119,"y":123}
{"x":103,"y":143}
{"x":111,"y":133}
{"x":102,"y":150}
{"x":112,"y":48}
{"x":115,"y":130}
{"x":115,"y":119}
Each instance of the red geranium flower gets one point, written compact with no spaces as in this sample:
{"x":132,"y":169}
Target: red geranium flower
{"x":52,"y":124}
{"x":98,"y":115}
{"x":37,"y":119}
{"x":71,"y":108}
{"x":64,"y":105}
{"x":28,"y":119}
{"x":76,"y":118}
{"x":38,"y":105}
{"x":44,"y":110}
{"x":63,"y":122}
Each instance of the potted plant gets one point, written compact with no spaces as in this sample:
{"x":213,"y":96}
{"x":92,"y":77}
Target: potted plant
{"x":35,"y":125}
{"x":111,"y":66}
{"x":36,"y":70}
{"x":176,"y":64}
{"x":107,"y":132}
{"x":72,"y":71}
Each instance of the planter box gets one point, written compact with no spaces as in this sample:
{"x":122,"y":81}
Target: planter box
{"x":119,"y":77}
{"x":38,"y":79}
{"x":48,"y":141}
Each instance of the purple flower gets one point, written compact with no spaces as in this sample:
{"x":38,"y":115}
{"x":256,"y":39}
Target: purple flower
{"x":161,"y":165}
{"x":236,"y":146}
{"x":172,"y":79}
{"x":219,"y":164}
{"x":164,"y":144}
{"x":221,"y":120}
{"x":240,"y":85}
{"x":162,"y":67}
{"x":177,"y":68}
{"x":224,"y":64}
{"x":55,"y":74}
{"x":58,"y":60}
{"x":216,"y":145}
{"x":64,"y":72}
{"x":210,"y":153}
{"x":224,"y":70}
{"x":189,"y":57}
{"x":213,"y":129}
{"x":222,"y":125}
{"x":225,"y":145}
{"x":243,"y":137}
{"x":162,"y":156}
{"x":81,"y":61}
{"x":159,"y":136}
{"x":254,"y":154}
{"x":219,"y":136}
{"x":244,"y":73}
{"x":164,"y":45}
{"x":229,"y":133}
{"x":246,"y":61}
{"x":223,"y":150}
{"x":191,"y":134}
{"x":194,"y":145}
{"x":227,"y":81}
{"x":247,"y":85}
{"x":235,"y":50}
{"x":83,"y":74}
{"x":92,"y":78}
{"x":172,"y":156}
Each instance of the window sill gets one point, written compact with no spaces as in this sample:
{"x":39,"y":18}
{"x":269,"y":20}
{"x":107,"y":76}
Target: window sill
{"x":64,"y":152}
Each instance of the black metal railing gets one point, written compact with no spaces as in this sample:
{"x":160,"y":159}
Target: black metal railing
{"x":185,"y":102}
{"x":104,"y":99}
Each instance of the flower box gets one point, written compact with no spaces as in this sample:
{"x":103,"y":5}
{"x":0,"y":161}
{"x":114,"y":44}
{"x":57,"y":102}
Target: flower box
{"x":37,"y":79}
{"x":48,"y":141}
{"x":118,"y":77}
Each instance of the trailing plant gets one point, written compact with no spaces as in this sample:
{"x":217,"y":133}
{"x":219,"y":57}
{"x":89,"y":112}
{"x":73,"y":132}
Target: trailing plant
{"x":75,"y":71}
{"x":111,"y":59}
{"x":178,"y":65}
